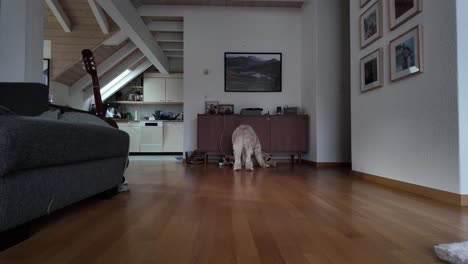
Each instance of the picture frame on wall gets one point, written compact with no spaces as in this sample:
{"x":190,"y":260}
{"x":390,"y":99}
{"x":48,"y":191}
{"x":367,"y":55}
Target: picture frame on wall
{"x":372,"y":71}
{"x":406,"y":54}
{"x":401,"y":11}
{"x":226,"y":109}
{"x":46,"y":71}
{"x":211,"y":107}
{"x":371,"y":24}
{"x":252,"y":72}
{"x":364,"y":2}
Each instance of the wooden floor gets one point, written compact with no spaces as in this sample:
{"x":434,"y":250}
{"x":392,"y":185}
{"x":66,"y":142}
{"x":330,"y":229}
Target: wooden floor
{"x":208,"y":215}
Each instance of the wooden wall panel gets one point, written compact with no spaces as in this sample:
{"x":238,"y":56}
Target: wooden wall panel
{"x":66,"y":47}
{"x":75,"y":71}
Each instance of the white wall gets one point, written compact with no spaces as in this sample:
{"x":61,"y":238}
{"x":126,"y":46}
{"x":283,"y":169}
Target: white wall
{"x":408,"y":129}
{"x":21,"y":40}
{"x":309,"y":71}
{"x":462,"y":66}
{"x":325,"y":77}
{"x":211,"y":31}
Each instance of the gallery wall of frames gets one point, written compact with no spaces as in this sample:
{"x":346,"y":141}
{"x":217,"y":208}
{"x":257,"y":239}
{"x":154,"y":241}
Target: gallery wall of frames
{"x":405,"y":51}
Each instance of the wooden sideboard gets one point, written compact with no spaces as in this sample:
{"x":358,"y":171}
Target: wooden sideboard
{"x":278,"y":134}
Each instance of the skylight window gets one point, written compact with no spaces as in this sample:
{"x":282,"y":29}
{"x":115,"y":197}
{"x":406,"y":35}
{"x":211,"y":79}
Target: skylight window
{"x":116,"y":80}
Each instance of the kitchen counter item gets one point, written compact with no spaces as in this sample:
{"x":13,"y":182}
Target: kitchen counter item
{"x":168,"y":116}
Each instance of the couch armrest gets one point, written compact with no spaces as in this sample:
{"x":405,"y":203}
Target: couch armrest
{"x":31,"y":142}
{"x":28,"y":99}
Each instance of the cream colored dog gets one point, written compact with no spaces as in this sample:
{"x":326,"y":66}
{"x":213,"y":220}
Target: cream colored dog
{"x":245,"y":142}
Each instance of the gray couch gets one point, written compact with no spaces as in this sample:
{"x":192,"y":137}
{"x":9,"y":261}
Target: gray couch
{"x":48,"y":164}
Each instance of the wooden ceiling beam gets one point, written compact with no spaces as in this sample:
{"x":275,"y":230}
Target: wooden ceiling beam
{"x":106,"y":65}
{"x":166,"y":26}
{"x":168,"y":46}
{"x":100,"y":16}
{"x":116,"y":39}
{"x":174,"y":54}
{"x":169,"y":37}
{"x":130,"y":22}
{"x":60,"y":14}
{"x":127,"y":63}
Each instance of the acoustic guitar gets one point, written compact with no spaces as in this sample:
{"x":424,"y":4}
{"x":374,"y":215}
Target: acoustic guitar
{"x":90,"y":67}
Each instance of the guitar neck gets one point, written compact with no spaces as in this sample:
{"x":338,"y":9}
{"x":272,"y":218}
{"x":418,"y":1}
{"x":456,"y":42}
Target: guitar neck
{"x":90,"y":66}
{"x":97,"y":97}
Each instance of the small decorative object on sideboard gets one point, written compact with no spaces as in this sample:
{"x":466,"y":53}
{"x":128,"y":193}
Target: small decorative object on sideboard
{"x":211,"y":107}
{"x":226,"y":109}
{"x":278,"y":110}
{"x":251,"y":111}
{"x":291,"y":110}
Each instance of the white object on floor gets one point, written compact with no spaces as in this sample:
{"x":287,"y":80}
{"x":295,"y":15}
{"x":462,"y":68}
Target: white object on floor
{"x":456,"y":253}
{"x":124,"y":187}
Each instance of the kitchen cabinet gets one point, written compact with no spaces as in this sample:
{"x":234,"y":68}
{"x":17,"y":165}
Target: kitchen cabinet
{"x":154,"y":90}
{"x":159,"y":88}
{"x":133,"y":130}
{"x":214,"y":133}
{"x":289,"y":133}
{"x":151,"y":138}
{"x":158,"y":136}
{"x":174,"y":90}
{"x":173,"y":137}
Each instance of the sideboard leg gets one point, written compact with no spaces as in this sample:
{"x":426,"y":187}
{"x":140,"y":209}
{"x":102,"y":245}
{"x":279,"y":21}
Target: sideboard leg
{"x":299,"y":158}
{"x":292,"y":158}
{"x":205,"y":161}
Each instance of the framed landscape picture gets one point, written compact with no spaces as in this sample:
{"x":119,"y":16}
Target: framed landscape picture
{"x":372,"y":71}
{"x":406,"y":54}
{"x":46,"y":71}
{"x":371,"y":24}
{"x":401,"y":11}
{"x":252,"y":72}
{"x":364,"y":2}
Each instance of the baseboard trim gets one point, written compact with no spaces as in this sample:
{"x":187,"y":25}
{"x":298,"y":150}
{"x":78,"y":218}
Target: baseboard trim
{"x":439,"y":195}
{"x":327,"y":164}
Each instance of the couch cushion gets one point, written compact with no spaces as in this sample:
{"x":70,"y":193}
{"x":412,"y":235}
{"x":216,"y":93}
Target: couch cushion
{"x":31,"y":142}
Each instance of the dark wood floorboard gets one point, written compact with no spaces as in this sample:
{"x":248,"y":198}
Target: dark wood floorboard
{"x":204,"y":215}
